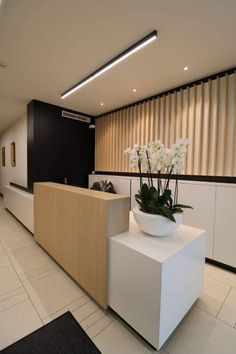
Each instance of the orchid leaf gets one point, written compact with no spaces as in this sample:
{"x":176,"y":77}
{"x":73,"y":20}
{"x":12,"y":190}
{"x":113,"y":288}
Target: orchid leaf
{"x":182,"y":206}
{"x":166,"y":213}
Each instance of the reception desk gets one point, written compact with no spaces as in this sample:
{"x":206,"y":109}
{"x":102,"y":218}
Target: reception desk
{"x":73,"y":225}
{"x":152,"y":282}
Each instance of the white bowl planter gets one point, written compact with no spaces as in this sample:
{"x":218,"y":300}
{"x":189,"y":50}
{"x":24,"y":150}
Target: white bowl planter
{"x":156,"y":225}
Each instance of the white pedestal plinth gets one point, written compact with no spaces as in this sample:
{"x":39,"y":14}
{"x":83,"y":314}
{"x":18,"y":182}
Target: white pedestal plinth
{"x":153,"y":282}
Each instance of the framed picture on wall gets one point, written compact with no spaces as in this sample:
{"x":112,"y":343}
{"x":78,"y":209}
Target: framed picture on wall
{"x":3,"y":156}
{"x":13,"y":154}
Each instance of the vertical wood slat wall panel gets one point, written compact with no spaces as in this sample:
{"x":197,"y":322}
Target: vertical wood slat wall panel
{"x":198,"y":131}
{"x":222,"y":112}
{"x":178,"y":127}
{"x":191,"y":119}
{"x":161,"y":117}
{"x":185,"y":111}
{"x":205,"y":113}
{"x":234,"y":163}
{"x":213,"y":126}
{"x":234,"y":115}
{"x":205,"y":127}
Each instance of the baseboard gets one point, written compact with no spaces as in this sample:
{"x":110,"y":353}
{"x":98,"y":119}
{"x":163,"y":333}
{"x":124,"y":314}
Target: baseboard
{"x":221,"y":265}
{"x":197,"y":178}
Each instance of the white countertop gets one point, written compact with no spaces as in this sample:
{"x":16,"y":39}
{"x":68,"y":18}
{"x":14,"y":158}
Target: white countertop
{"x":157,"y":248}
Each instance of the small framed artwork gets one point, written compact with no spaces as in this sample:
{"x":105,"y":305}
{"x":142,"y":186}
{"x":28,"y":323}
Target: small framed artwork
{"x":13,"y":154}
{"x":3,"y":156}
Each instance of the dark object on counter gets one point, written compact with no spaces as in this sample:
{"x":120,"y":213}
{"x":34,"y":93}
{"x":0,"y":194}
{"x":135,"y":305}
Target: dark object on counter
{"x":104,"y":186}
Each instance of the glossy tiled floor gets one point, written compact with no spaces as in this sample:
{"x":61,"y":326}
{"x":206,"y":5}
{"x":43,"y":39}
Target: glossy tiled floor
{"x":34,"y":290}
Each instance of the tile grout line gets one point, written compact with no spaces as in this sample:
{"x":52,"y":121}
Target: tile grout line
{"x":9,"y":307}
{"x":85,"y":318}
{"x":218,"y":319}
{"x":212,"y":277}
{"x":4,"y":265}
{"x":2,"y":294}
{"x":104,"y":328}
{"x":64,"y":307}
{"x":28,"y":281}
{"x":9,"y":297}
{"x":31,"y":279}
{"x":214,"y":317}
{"x":223,"y":303}
{"x":41,"y":319}
{"x":9,"y":249}
{"x":27,"y":244}
{"x":225,"y":282}
{"x":27,"y":293}
{"x":94,"y":322}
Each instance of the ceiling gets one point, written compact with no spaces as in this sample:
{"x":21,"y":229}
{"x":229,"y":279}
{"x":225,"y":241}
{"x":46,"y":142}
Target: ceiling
{"x":49,"y":45}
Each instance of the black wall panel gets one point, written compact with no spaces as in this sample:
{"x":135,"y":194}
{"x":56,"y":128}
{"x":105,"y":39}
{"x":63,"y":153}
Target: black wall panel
{"x":58,"y":147}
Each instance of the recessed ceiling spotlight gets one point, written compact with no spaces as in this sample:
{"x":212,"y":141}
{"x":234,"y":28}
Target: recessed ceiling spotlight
{"x":111,"y":63}
{"x":3,"y":65}
{"x":134,"y":90}
{"x":185,"y":68}
{"x":102,"y":104}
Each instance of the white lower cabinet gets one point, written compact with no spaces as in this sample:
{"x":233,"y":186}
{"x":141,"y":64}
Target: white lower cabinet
{"x":214,"y":211}
{"x":225,"y":226}
{"x":20,"y":204}
{"x":202,"y":199}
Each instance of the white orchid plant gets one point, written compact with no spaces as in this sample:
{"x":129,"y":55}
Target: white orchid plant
{"x":157,"y":160}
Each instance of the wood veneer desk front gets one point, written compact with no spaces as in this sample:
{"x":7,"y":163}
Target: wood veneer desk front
{"x":73,"y":225}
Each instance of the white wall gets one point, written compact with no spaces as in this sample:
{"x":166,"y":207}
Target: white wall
{"x":17,"y":133}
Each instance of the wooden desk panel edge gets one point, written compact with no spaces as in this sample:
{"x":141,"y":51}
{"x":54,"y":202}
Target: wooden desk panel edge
{"x":73,"y":225}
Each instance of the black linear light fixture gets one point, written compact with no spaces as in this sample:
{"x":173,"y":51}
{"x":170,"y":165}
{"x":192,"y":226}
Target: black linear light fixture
{"x":116,"y":60}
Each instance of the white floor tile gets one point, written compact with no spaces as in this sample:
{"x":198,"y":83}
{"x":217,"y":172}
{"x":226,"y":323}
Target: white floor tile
{"x":29,"y":247}
{"x":85,"y":310}
{"x":201,"y":333}
{"x":71,"y":307}
{"x":117,"y":339}
{"x":4,"y":260}
{"x":51,"y":293}
{"x":15,"y":238}
{"x":213,"y":296}
{"x":3,"y":223}
{"x":38,"y":274}
{"x":13,"y":300}
{"x":16,"y":322}
{"x":99,"y":325}
{"x":30,"y":261}
{"x":228,"y":310}
{"x":221,"y":275}
{"x":7,"y":222}
{"x":8,"y":279}
{"x":12,"y":293}
{"x":93,"y":319}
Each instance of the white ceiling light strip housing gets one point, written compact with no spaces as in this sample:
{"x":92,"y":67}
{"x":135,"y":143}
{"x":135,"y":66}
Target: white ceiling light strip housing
{"x":110,"y":64}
